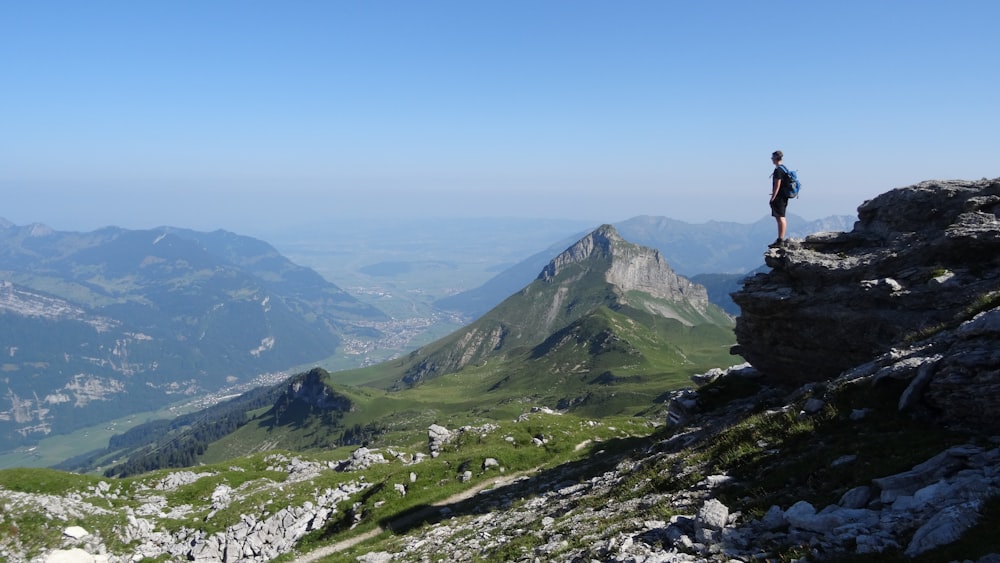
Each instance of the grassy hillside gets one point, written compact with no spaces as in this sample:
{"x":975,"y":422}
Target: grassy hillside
{"x":776,"y":457}
{"x":573,"y":287}
{"x":265,"y":484}
{"x":606,"y":364}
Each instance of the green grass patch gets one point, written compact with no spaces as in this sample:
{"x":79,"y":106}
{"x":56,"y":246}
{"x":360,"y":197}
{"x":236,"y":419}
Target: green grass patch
{"x":43,"y":481}
{"x":568,"y":440}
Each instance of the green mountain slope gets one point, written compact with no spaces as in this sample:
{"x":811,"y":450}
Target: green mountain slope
{"x":602,"y":270}
{"x":606,"y":364}
{"x":99,"y":325}
{"x":607,"y":329}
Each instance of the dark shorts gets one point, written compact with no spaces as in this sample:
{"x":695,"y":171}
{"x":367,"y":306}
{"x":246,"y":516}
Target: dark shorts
{"x":778,"y":206}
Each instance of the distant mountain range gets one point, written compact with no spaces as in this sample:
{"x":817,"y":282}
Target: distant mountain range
{"x":719,"y":247}
{"x":605,"y":328}
{"x":727,"y":251}
{"x":562,"y":424}
{"x":98,"y":325}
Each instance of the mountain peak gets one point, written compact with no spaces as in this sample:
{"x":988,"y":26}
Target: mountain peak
{"x":32,"y":230}
{"x":599,"y":243}
{"x":629,"y":267}
{"x":600,"y":271}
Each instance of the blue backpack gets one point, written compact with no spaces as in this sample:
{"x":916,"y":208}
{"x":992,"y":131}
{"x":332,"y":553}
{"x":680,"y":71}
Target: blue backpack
{"x":793,"y":187}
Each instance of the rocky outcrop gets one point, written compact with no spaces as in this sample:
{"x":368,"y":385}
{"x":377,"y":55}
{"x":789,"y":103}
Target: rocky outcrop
{"x":312,"y":390}
{"x":939,"y":498}
{"x":267,"y":526}
{"x":437,"y":437}
{"x":916,"y":259}
{"x":953,"y":375}
{"x":257,"y":537}
{"x":361,"y":459}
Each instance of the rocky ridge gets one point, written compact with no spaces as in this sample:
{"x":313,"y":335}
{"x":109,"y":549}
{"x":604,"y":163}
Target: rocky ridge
{"x":601,"y":270}
{"x":632,"y":268}
{"x":915,"y":260}
{"x":261,"y":535}
{"x":914,"y":511}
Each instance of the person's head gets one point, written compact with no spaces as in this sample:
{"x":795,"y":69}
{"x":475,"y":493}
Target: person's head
{"x":776,"y":156}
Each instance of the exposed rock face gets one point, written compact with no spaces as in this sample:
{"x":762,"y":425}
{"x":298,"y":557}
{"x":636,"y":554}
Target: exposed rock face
{"x":965,"y":385}
{"x":953,"y":376}
{"x":915,"y":260}
{"x":632,"y":267}
{"x":312,"y":390}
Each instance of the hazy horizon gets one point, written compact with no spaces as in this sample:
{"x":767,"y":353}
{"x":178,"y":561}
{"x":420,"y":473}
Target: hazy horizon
{"x":303,"y":227}
{"x":239,"y":115}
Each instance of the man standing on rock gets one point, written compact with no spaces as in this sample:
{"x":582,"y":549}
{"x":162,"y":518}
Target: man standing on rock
{"x":779,"y":197}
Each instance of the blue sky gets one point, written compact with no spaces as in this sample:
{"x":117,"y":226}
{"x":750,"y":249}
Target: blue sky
{"x":237,"y":114}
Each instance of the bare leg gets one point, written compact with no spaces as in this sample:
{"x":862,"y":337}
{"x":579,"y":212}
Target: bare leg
{"x":782,"y":226}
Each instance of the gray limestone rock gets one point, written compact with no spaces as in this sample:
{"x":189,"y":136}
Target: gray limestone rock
{"x":73,"y":555}
{"x":836,"y":300}
{"x":847,"y":302}
{"x":944,"y":527}
{"x":437,"y":437}
{"x":361,"y":458}
{"x":713,"y":515}
{"x":857,"y":497}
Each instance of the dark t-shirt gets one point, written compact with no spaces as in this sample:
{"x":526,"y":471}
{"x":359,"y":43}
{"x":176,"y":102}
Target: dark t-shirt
{"x":780,"y":202}
{"x":786,"y":181}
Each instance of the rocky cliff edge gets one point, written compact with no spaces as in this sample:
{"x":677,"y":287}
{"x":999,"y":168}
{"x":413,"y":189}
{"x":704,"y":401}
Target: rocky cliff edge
{"x":920,"y":259}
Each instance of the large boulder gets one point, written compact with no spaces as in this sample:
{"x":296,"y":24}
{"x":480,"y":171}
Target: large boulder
{"x":917,"y":259}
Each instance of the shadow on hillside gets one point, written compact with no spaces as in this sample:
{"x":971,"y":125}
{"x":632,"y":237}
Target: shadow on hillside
{"x":603,"y":457}
{"x":346,"y":517}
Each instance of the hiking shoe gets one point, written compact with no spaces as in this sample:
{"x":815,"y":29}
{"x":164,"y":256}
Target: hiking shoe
{"x":778,"y":243}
